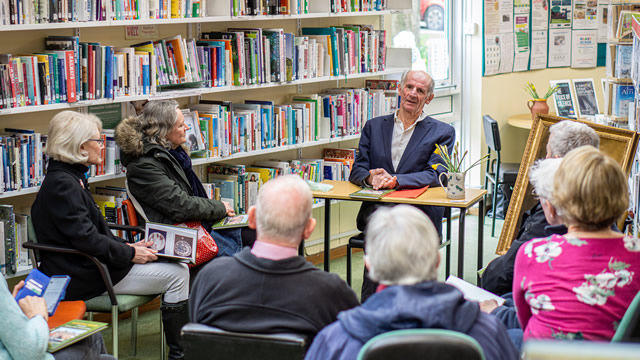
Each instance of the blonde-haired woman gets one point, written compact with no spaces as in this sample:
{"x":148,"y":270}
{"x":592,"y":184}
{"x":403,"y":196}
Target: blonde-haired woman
{"x":65,"y":214}
{"x":578,"y":285}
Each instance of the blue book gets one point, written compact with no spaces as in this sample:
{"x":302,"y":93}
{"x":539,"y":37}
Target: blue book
{"x":52,"y":289}
{"x":268,"y":126}
{"x":108,"y":72}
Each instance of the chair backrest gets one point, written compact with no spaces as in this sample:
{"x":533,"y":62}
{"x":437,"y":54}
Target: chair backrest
{"x":421,"y":344}
{"x":629,"y":327}
{"x":578,"y":350}
{"x":207,"y":342}
{"x":491,"y":133}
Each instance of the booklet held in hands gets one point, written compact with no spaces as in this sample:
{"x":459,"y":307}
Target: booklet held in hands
{"x":173,"y":242}
{"x":472,"y":292}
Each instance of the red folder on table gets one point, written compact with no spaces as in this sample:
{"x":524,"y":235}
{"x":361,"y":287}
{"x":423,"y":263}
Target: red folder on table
{"x":407,"y":194}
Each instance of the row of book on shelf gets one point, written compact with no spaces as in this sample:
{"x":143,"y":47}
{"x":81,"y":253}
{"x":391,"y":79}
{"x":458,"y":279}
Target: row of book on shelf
{"x":236,"y":184}
{"x":220,"y":128}
{"x":14,"y":12}
{"x":68,"y":70}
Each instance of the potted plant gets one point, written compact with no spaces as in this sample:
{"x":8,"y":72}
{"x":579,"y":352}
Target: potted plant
{"x":537,"y":104}
{"x":454,"y":175}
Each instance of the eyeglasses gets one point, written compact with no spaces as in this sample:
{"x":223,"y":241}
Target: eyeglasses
{"x":99,"y":141}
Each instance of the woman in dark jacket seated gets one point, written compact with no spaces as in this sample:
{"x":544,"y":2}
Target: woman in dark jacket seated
{"x":159,"y":174}
{"x":64,"y":214}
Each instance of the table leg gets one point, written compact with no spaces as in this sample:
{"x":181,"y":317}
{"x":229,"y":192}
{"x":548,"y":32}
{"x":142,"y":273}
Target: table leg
{"x":447,"y":270}
{"x":327,"y":234}
{"x":461,"y":244}
{"x":480,"y":236}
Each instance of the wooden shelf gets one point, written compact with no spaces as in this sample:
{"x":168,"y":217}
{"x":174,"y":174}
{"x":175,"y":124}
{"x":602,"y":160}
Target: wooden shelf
{"x":172,"y":94}
{"x":201,"y":20}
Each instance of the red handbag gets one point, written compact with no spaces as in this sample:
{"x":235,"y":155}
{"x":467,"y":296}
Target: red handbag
{"x":206,"y":248}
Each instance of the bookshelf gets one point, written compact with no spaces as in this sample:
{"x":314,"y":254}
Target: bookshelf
{"x":30,"y":39}
{"x":619,"y":44}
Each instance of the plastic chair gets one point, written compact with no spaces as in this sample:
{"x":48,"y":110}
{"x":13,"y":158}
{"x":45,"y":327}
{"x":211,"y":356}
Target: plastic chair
{"x":504,"y":173}
{"x":109,"y":303}
{"x":421,"y":344}
{"x":207,"y":342}
{"x":67,"y":311}
{"x":629,"y":327}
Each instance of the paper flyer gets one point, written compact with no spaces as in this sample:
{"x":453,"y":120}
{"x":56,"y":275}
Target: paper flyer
{"x":559,"y":47}
{"x":539,"y":15}
{"x":584,"y":48}
{"x":538,"y":50}
{"x":603,"y":14}
{"x":560,"y":14}
{"x":521,"y":6}
{"x":498,"y":16}
{"x":521,"y":38}
{"x":585,"y":14}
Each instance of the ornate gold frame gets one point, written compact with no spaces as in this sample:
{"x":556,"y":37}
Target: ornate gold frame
{"x":618,"y":143}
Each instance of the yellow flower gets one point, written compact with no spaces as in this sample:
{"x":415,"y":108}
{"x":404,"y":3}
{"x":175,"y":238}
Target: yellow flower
{"x":435,"y":166}
{"x":437,"y":152}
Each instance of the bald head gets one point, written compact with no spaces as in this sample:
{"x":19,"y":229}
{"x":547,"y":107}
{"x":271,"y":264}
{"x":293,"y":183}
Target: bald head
{"x":282,"y":213}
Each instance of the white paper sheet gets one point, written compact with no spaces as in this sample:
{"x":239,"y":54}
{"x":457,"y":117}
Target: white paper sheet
{"x":560,"y":14}
{"x":521,"y":39}
{"x":584,"y":48}
{"x":603,"y":12}
{"x":538,"y":50}
{"x":472,"y":292}
{"x":539,"y":15}
{"x":559,"y":47}
{"x":585,"y":14}
{"x":498,"y":16}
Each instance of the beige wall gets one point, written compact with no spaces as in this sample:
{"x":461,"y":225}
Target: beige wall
{"x":503,"y":96}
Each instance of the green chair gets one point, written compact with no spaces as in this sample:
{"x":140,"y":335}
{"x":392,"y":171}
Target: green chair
{"x":421,"y":344}
{"x":109,"y":303}
{"x":629,"y":327}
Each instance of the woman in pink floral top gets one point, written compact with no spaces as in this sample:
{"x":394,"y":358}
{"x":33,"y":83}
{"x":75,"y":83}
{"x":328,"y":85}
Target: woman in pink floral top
{"x":578,"y":285}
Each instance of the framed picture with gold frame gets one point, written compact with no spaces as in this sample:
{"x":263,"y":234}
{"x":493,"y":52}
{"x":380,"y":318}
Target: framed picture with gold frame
{"x":618,"y":143}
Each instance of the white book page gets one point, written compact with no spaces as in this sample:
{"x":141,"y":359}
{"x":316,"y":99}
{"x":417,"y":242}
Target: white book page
{"x":472,"y":292}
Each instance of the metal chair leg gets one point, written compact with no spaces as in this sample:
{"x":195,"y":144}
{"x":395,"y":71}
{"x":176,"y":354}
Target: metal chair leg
{"x":134,"y":330}
{"x":114,"y":324}
{"x":163,"y":348}
{"x":349,"y":264}
{"x":90,"y":316}
{"x":493,"y":208}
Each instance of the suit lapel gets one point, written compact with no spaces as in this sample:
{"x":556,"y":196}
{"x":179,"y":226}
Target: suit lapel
{"x":387,"y":136}
{"x":416,"y":139}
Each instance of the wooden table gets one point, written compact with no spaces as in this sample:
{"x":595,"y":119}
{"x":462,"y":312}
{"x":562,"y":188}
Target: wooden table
{"x":522,"y":121}
{"x":433,"y":197}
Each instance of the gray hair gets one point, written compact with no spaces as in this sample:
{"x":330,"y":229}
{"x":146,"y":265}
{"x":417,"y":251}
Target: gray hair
{"x":401,"y":246}
{"x":156,"y":121}
{"x":541,"y":176}
{"x":68,"y":130}
{"x":283,"y":208}
{"x":431,"y":86}
{"x":568,"y":135}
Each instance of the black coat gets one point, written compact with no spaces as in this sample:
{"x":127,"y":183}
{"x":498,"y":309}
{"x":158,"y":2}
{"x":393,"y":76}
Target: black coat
{"x":65,"y":214}
{"x":245,"y":293}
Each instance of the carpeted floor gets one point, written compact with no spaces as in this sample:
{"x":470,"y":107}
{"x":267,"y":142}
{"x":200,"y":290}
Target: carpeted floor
{"x":148,"y":322}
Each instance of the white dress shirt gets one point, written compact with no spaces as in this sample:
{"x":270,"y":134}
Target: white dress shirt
{"x":401,"y":137}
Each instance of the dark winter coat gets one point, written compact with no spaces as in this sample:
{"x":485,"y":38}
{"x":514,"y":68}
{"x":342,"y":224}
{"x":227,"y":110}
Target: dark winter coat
{"x":65,"y":214}
{"x":158,"y":182}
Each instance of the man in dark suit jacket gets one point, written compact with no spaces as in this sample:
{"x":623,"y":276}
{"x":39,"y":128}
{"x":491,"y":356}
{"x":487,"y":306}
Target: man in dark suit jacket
{"x":397,"y":151}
